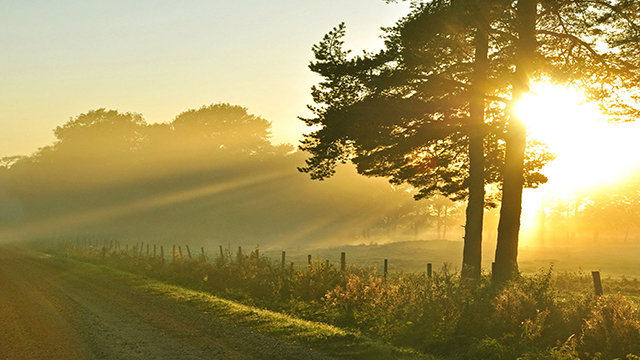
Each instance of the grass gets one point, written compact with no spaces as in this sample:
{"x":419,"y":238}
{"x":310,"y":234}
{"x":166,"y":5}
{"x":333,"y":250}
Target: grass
{"x":547,"y":315}
{"x":327,"y":339}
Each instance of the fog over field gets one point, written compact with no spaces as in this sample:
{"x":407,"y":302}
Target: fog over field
{"x":212,"y":177}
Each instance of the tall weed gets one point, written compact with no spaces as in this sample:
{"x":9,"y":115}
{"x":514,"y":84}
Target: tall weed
{"x":546,"y":316}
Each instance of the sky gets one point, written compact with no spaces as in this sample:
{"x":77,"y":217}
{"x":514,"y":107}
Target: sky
{"x":62,"y":58}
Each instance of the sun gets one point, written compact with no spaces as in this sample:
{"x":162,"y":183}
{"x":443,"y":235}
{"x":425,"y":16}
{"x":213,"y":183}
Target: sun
{"x":590,"y":151}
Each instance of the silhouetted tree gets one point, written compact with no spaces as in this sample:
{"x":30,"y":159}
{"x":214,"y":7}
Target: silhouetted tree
{"x":415,"y":112}
{"x":589,"y":44}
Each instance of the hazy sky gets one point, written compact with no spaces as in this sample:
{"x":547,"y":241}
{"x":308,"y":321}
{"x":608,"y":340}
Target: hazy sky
{"x":61,"y":58}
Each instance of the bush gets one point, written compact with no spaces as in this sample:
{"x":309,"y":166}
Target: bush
{"x":545,"y":316}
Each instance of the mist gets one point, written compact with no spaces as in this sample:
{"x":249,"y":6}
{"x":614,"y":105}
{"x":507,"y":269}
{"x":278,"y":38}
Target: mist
{"x":210,"y":176}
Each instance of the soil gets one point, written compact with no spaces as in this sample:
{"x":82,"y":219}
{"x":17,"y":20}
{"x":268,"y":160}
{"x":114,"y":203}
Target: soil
{"x":51,"y":310}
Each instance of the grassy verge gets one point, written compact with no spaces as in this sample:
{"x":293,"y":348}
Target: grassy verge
{"x":544,"y":316}
{"x":324,"y":338}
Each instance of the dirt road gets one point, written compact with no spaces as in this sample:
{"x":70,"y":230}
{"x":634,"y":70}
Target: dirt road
{"x":50,"y":310}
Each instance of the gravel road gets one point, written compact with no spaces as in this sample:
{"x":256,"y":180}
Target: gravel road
{"x":51,"y":310}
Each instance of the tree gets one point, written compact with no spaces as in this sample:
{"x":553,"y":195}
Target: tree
{"x":587,"y":43}
{"x":415,"y":112}
{"x":100,"y":132}
{"x":224,"y":127}
{"x":516,"y":140}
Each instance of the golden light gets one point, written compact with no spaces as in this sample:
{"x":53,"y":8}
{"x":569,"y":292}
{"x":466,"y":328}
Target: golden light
{"x":591,"y":153}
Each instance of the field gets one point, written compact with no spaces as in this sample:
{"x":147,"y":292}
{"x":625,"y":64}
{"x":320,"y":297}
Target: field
{"x":543,"y":315}
{"x":613,"y":259}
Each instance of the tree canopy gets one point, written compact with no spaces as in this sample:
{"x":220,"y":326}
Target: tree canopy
{"x":396,"y":116}
{"x":211,"y":174}
{"x":406,"y":112}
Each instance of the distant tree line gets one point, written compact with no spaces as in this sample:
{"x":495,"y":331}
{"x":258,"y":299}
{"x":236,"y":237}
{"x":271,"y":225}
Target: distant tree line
{"x":211,"y":174}
{"x":600,"y":215}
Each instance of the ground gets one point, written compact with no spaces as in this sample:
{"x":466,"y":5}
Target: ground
{"x":50,"y":309}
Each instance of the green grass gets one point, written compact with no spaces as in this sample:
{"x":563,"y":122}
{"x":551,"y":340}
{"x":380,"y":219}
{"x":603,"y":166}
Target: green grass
{"x":547,"y":315}
{"x":327,"y":339}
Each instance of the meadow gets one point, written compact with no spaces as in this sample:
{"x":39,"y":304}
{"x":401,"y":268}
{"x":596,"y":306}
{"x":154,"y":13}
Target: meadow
{"x":544,"y":315}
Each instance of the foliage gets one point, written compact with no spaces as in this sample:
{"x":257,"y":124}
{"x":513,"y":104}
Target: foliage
{"x":546,"y":316}
{"x":223,"y":127}
{"x":206,"y":173}
{"x":598,"y":211}
{"x":403,"y":113}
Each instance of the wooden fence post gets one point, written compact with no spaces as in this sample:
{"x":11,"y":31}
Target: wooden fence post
{"x":204,"y":256}
{"x":309,"y":260}
{"x":221,"y":253}
{"x":284,"y":257}
{"x":493,"y":273}
{"x":343,"y":261}
{"x":597,"y":283}
{"x":429,"y":270}
{"x":189,"y":252}
{"x":386,"y":268}
{"x":180,"y":251}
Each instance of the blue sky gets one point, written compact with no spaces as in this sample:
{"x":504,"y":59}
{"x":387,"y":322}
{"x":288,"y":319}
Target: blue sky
{"x":159,"y":58}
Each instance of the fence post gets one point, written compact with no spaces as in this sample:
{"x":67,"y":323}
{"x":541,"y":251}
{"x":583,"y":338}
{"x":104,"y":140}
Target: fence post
{"x":429,"y":270}
{"x":189,"y":252}
{"x":239,"y":255}
{"x":493,"y":273}
{"x":386,"y":268}
{"x":221,"y":253}
{"x":597,"y":283}
{"x":204,"y":256}
{"x":309,"y":260}
{"x":180,"y":251}
{"x":162,"y":253}
{"x":343,"y":261}
{"x":284,"y":257}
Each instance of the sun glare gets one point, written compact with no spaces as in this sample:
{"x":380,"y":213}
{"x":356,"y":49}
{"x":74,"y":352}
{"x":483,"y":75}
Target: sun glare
{"x":590,"y":151}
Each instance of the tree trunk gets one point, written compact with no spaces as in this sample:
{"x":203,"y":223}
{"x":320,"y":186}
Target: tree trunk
{"x":506,"y":267}
{"x":472,"y":253}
